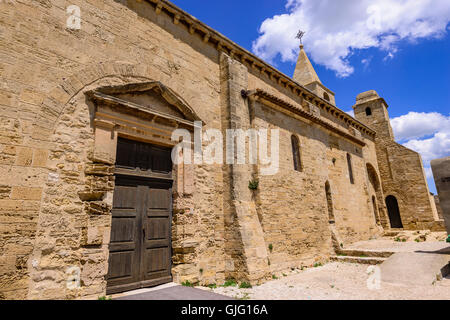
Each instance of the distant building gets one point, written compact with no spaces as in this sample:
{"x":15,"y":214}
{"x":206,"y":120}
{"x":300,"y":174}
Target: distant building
{"x":438,"y":207}
{"x":441,"y":173}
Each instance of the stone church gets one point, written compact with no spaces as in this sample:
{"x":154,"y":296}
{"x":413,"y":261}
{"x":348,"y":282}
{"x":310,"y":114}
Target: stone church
{"x":90,"y":200}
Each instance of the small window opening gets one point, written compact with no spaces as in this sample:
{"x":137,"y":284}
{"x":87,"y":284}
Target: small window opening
{"x":350,"y":169}
{"x":296,"y":153}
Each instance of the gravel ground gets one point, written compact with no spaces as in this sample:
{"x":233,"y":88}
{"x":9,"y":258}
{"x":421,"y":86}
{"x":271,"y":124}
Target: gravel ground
{"x":348,"y":281}
{"x":434,"y":241}
{"x":336,"y":281}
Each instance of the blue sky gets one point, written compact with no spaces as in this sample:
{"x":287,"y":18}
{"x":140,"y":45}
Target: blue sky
{"x":402,"y":52}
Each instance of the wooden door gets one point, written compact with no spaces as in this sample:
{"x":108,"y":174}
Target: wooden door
{"x":125,"y":245}
{"x":140,"y":246}
{"x":156,"y":249}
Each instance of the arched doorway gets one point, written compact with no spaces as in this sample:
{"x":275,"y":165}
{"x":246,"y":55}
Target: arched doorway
{"x":394,"y":212}
{"x":140,"y":244}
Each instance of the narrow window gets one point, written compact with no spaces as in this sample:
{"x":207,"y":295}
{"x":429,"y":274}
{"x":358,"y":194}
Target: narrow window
{"x":329,"y":202}
{"x":296,"y":153}
{"x":326,"y":96}
{"x":368,"y":112}
{"x":350,"y":169}
{"x":375,"y":210}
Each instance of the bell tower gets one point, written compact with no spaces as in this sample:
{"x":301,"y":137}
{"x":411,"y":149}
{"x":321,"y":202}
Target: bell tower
{"x":305,"y":75}
{"x":371,"y":110}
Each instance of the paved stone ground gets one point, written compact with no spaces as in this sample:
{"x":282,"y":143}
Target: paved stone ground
{"x":347,"y":281}
{"x":384,"y":244}
{"x":336,"y":281}
{"x":171,"y":292}
{"x":333,"y":281}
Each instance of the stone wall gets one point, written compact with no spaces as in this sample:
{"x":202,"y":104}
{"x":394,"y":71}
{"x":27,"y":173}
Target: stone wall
{"x":292,"y":205}
{"x":47,"y":138}
{"x":401,"y":169}
{"x":56,"y":191}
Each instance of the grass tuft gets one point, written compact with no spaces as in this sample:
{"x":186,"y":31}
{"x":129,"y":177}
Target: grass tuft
{"x":245,"y":285}
{"x":187,"y":283}
{"x":230,"y":283}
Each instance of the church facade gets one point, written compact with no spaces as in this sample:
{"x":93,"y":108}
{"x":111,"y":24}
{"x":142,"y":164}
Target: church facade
{"x":91,"y":201}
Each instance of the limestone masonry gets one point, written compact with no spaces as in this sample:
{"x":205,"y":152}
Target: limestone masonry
{"x":90,"y":202}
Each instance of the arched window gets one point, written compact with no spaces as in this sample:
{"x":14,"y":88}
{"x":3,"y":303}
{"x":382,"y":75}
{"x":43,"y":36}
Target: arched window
{"x":296,"y":153}
{"x":350,"y":168}
{"x":368,"y":111}
{"x":326,"y":96}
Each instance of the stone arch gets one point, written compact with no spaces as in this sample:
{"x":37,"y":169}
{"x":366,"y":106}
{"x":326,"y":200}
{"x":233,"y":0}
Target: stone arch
{"x":373,"y":175}
{"x":376,"y":195}
{"x":55,"y":103}
{"x":85,"y":211}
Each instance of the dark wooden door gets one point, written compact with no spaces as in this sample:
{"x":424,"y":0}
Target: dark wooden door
{"x":156,"y":250}
{"x":140,"y":246}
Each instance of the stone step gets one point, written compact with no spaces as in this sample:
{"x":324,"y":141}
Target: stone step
{"x":364,"y":253}
{"x":359,"y":260}
{"x":391,"y":233}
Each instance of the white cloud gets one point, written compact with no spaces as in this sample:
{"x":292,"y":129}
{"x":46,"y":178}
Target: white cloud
{"x":425,"y":133}
{"x":335,"y":28}
{"x":416,"y":125}
{"x":433,"y":148}
{"x":351,"y":112}
{"x":366,"y":62}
